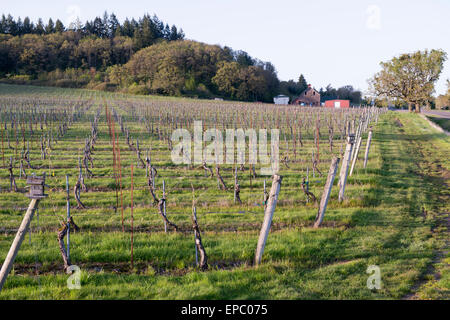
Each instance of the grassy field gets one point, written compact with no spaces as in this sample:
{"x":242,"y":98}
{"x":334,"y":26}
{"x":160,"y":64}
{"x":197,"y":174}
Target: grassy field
{"x":395,"y":216}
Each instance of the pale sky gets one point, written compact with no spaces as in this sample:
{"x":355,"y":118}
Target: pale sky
{"x":338,"y":42}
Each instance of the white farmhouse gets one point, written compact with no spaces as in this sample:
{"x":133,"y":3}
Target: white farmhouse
{"x":281,"y":99}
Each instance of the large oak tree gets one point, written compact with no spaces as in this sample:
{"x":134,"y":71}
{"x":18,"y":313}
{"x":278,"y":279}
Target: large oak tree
{"x":409,"y":77}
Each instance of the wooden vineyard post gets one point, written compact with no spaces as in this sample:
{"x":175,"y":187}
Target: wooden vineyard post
{"x":68,"y":218}
{"x":369,"y":140}
{"x":23,"y":229}
{"x":317,"y":137}
{"x":115,"y":169}
{"x":164,"y":205}
{"x":307,"y":183}
{"x":36,"y":194}
{"x":357,"y":136}
{"x":345,"y":165}
{"x":235,"y":182}
{"x":265,"y":196}
{"x":268,"y":215}
{"x":194,"y":212}
{"x":120,"y":182}
{"x":3,"y":152}
{"x":326,"y":192}
{"x":151,"y":168}
{"x":21,"y":170}
{"x":132,"y":218}
{"x":237,"y":188}
{"x":355,"y":154}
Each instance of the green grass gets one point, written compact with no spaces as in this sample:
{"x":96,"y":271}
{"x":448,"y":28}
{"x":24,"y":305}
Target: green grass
{"x":393,"y":217}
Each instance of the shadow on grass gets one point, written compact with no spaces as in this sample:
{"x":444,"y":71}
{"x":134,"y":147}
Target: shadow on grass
{"x":400,"y":171}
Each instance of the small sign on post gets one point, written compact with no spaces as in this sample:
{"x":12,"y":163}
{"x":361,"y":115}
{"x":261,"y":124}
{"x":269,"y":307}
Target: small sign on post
{"x":37,"y":187}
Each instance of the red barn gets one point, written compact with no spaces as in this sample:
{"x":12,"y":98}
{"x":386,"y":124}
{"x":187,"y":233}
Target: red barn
{"x":337,"y":103}
{"x":309,"y":97}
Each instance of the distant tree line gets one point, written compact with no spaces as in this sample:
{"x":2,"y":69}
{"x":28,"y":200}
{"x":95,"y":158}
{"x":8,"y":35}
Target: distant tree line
{"x":144,"y":31}
{"x":443,"y":100}
{"x":293,"y":89}
{"x":344,"y":93}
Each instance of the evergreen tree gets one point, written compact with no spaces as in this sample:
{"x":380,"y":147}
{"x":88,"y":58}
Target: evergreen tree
{"x":180,"y":34}
{"x":88,"y":28}
{"x":113,"y":26}
{"x":11,"y":26}
{"x":167,"y":32}
{"x":302,"y":84}
{"x":144,"y":35}
{"x":19,"y":26}
{"x":59,"y":26}
{"x":98,"y":28}
{"x":3,"y":24}
{"x":105,"y":25}
{"x":27,"y":26}
{"x":158,"y":27}
{"x":173,"y":33}
{"x":50,"y":27}
{"x":40,"y":29}
{"x":127,"y":29}
{"x":134,"y":25}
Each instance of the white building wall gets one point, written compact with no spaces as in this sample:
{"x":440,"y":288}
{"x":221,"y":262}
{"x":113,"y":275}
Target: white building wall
{"x":281,"y":100}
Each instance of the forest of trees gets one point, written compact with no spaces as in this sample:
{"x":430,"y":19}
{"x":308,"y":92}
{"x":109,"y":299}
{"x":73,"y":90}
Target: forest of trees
{"x":345,"y":93}
{"x":197,"y":69}
{"x":144,"y":56}
{"x":29,"y":49}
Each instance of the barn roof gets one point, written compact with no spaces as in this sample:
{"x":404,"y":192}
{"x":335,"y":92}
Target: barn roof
{"x":308,"y":89}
